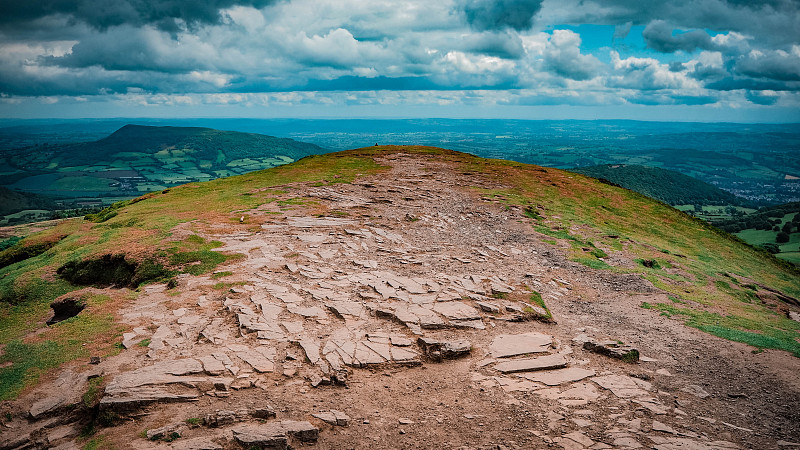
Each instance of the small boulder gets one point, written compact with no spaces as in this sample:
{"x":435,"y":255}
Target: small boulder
{"x":168,"y":432}
{"x":612,"y":349}
{"x":436,"y":350}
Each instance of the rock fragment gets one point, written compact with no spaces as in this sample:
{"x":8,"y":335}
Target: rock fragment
{"x":696,"y":390}
{"x":506,"y":345}
{"x":557,"y":361}
{"x":275,"y":435}
{"x":613,"y":349}
{"x":170,"y":432}
{"x":333,"y":417}
{"x":438,"y":350}
{"x":557,"y":377}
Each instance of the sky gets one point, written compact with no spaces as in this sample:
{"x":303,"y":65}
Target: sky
{"x":687,"y":60}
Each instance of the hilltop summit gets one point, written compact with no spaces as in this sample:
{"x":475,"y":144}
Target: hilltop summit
{"x":402,"y":297}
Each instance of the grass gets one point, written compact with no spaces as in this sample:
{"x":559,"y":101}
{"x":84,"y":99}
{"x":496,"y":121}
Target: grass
{"x":536,"y":299}
{"x":137,"y":230}
{"x":93,"y":394}
{"x":196,"y":256}
{"x":97,"y":443}
{"x":687,"y":255}
{"x":770,"y":331}
{"x":194,"y":422}
{"x":65,"y":342}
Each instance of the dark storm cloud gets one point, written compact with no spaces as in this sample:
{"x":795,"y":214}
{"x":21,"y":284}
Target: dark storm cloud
{"x":732,"y":84}
{"x":129,"y":49}
{"x":759,"y":98}
{"x":771,"y":21}
{"x":164,"y":14}
{"x":658,"y":36}
{"x":704,"y":72}
{"x":676,"y":66}
{"x":774,"y":65}
{"x":504,"y":44}
{"x":501,"y":14}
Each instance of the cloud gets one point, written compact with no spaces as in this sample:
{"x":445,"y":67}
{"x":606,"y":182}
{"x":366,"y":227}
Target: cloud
{"x":670,"y":98}
{"x":563,"y":57}
{"x":658,"y":36}
{"x":734,"y":83}
{"x":503,"y":44}
{"x":170,"y":15}
{"x":646,"y":74}
{"x":500,"y":14}
{"x":622,"y":31}
{"x":766,"y":98}
{"x":776,"y":65}
{"x":773,"y":22}
{"x":355,"y":52}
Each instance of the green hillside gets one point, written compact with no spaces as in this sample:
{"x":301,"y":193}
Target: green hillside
{"x":670,"y":187}
{"x":137,"y":159}
{"x":715,"y":282}
{"x":13,"y":202}
{"x":774,"y":228}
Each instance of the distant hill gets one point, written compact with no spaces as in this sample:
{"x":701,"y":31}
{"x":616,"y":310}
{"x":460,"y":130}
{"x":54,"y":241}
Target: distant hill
{"x":670,"y":187}
{"x":202,"y":143}
{"x":136,"y":159}
{"x":13,"y":202}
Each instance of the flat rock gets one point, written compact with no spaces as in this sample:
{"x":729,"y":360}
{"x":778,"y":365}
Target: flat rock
{"x":696,"y":390}
{"x":557,"y":377}
{"x":624,"y":386}
{"x":211,"y":365}
{"x":457,"y":311}
{"x":681,"y":443}
{"x":262,"y":436}
{"x":557,"y":361}
{"x":346,"y":308}
{"x":333,"y":417}
{"x":488,"y":307}
{"x":138,"y":397}
{"x":198,"y":443}
{"x":506,"y":345}
{"x":63,"y":392}
{"x":260,"y":358}
{"x":659,"y":426}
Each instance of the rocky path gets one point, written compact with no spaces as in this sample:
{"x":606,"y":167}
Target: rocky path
{"x":401,"y":317}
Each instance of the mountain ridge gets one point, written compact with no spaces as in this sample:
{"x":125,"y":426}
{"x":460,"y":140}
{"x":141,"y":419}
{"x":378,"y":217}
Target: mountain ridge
{"x":370,"y":269}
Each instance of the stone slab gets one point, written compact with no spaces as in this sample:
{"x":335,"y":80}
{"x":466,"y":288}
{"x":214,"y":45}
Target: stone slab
{"x":557,"y":361}
{"x":506,"y":345}
{"x":557,"y":377}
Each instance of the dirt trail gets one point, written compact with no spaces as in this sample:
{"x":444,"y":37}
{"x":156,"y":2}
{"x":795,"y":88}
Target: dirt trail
{"x":325,"y":313}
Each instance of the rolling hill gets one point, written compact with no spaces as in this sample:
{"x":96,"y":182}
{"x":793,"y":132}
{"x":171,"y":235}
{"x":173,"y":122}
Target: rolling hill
{"x":509,"y":301}
{"x":13,"y":202}
{"x":670,"y":187}
{"x":136,"y":159}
